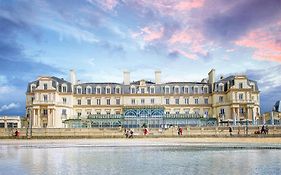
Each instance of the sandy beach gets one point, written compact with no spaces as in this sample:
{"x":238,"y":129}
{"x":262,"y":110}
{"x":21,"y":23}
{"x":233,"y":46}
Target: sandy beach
{"x":146,"y":142}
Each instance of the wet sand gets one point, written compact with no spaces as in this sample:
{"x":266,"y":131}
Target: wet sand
{"x":146,"y":141}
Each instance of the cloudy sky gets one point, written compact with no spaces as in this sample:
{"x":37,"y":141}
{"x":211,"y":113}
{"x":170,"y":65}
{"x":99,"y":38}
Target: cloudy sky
{"x":101,"y":38}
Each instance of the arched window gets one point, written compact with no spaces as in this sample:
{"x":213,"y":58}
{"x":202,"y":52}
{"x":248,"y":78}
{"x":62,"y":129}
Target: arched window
{"x":108,"y":90}
{"x":221,"y":87}
{"x":186,"y":90}
{"x":79,"y":90}
{"x":152,"y":90}
{"x":176,"y":90}
{"x":167,"y":89}
{"x":98,"y":90}
{"x":88,"y":90}
{"x":118,"y":90}
{"x":64,"y":88}
{"x":133,"y":89}
{"x":205,"y":89}
{"x":195,"y":90}
{"x":32,"y":87}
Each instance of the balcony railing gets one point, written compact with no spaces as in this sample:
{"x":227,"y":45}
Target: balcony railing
{"x":43,"y":102}
{"x":179,"y":116}
{"x":105,"y":116}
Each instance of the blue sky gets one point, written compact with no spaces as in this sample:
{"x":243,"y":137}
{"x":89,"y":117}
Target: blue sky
{"x":100,"y":39}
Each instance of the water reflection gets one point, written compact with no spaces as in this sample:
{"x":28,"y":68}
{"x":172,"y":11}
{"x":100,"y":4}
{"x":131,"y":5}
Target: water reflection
{"x":137,"y":160}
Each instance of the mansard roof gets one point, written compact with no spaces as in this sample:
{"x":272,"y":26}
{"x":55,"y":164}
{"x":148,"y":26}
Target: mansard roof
{"x":277,"y":106}
{"x":185,"y":83}
{"x":55,"y":82}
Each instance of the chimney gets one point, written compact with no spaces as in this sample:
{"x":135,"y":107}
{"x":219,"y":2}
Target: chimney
{"x":73,"y":77}
{"x":212,"y":76}
{"x":126,"y":78}
{"x":157,"y":77}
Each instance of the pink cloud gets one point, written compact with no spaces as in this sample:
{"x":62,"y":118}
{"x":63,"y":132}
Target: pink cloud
{"x":149,"y":34}
{"x":264,"y":43}
{"x":187,"y":5}
{"x":105,"y":4}
{"x":180,"y":37}
{"x":193,"y":39}
{"x":185,"y":54}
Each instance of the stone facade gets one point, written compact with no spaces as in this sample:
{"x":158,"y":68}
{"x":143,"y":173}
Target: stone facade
{"x":52,"y":102}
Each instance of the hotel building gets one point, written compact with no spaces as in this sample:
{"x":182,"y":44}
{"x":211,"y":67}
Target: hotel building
{"x":56,"y":103}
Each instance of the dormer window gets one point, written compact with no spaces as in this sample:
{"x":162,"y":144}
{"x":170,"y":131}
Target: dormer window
{"x":33,"y":87}
{"x":205,"y":90}
{"x":220,"y":87}
{"x":118,"y":90}
{"x":142,"y":90}
{"x":89,"y":90}
{"x":195,"y":90}
{"x":240,"y":85}
{"x":63,"y":88}
{"x":45,"y":86}
{"x":177,"y":90}
{"x":167,"y":90}
{"x":186,"y":90}
{"x":108,"y":90}
{"x":98,"y":90}
{"x":79,"y":90}
{"x":152,"y":90}
{"x":133,"y":90}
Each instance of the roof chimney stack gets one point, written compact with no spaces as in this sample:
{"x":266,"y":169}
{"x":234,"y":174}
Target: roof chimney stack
{"x":126,"y":78}
{"x":73,"y":77}
{"x":157,"y":77}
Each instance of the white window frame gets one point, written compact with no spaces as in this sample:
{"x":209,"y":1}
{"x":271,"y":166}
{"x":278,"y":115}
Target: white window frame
{"x":221,"y":87}
{"x":62,"y":88}
{"x":87,"y":90}
{"x":98,"y":87}
{"x":207,"y":91}
{"x":79,"y":87}
{"x":135,"y":90}
{"x":31,"y":87}
{"x":195,"y":87}
{"x":152,"y":87}
{"x":186,"y":89}
{"x":169,"y":89}
{"x":119,"y":88}
{"x":108,"y":88}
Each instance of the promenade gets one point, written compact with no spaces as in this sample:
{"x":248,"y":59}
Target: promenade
{"x":188,"y":132}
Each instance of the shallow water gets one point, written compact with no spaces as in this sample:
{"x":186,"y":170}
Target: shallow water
{"x":18,"y":159}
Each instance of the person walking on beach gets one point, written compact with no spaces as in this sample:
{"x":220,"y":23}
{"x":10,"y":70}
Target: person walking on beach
{"x":145,"y":131}
{"x":266,"y":129}
{"x":263,"y":129}
{"x":230,"y":130}
{"x":131,"y":134}
{"x":238,"y":129}
{"x":180,"y":131}
{"x":17,"y":134}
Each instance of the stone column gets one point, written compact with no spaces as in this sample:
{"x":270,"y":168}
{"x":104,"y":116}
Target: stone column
{"x":33,"y":117}
{"x":248,"y":113}
{"x":238,"y":114}
{"x":39,"y":121}
{"x":234,"y":116}
{"x":49,"y":118}
{"x":5,"y":123}
{"x":271,"y":118}
{"x":53,"y":117}
{"x":253,"y":117}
